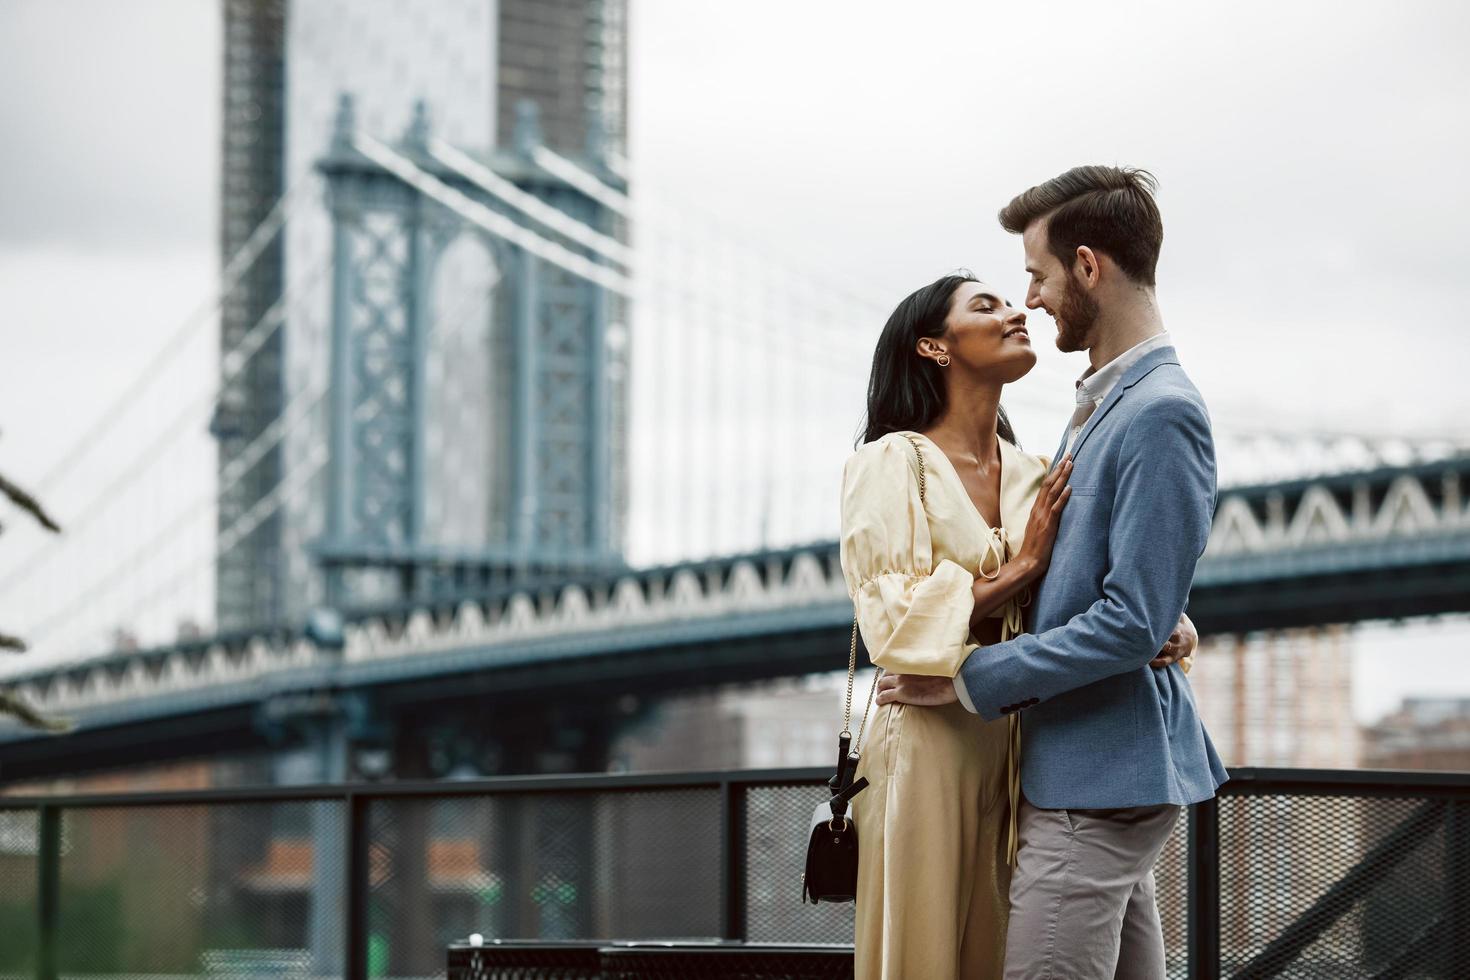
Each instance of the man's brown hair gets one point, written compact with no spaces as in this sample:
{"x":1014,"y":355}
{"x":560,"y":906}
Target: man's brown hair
{"x":1109,"y":209}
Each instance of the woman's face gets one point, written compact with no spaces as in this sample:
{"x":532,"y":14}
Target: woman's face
{"x":986,"y":335}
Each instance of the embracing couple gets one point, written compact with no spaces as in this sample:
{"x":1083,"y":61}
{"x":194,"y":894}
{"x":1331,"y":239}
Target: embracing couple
{"x":1035,"y":736}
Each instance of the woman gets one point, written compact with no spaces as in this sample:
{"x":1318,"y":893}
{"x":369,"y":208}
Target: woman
{"x":935,"y":569}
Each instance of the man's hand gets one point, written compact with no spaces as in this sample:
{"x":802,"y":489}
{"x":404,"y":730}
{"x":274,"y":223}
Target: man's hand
{"x":916,"y":689}
{"x":1180,"y":647}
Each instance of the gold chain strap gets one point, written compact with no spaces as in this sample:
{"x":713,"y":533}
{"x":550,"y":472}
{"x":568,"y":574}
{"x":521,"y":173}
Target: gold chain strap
{"x":857,"y":744}
{"x":920,"y":454}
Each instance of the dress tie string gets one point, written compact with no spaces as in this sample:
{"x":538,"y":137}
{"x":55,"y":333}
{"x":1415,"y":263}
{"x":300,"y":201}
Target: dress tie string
{"x":1012,"y":625}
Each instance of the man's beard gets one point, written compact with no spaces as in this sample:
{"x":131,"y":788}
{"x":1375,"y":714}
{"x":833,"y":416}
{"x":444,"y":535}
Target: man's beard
{"x":1075,"y":317}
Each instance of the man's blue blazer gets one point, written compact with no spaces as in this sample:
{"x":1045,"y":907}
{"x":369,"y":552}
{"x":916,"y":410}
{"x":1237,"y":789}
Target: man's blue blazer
{"x":1100,"y":728}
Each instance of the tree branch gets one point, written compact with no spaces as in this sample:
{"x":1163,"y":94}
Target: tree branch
{"x":15,"y":706}
{"x":27,"y":503}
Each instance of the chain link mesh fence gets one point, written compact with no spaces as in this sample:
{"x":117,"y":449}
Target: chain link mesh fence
{"x":727,"y":963}
{"x":778,"y":821}
{"x":1171,"y":881}
{"x":220,"y":890}
{"x":1343,"y":878}
{"x":553,"y":866}
{"x":536,"y":960}
{"x":1343,"y":887}
{"x":647,"y":961}
{"x":20,"y":836}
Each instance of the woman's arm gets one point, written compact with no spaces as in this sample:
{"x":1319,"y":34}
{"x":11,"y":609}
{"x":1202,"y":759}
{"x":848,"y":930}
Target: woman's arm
{"x":992,"y":593}
{"x":1180,"y":647}
{"x":913,"y":611}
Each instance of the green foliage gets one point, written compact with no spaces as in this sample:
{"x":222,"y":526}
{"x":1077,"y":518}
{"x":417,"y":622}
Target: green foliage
{"x":91,"y":930}
{"x":377,"y":958}
{"x":11,"y":703}
{"x":18,"y":926}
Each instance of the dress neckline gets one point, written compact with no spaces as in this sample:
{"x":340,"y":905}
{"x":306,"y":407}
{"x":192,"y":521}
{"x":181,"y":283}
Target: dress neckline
{"x":1005,"y":470}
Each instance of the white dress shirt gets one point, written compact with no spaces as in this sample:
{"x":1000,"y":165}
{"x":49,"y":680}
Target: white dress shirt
{"x":1093,"y":389}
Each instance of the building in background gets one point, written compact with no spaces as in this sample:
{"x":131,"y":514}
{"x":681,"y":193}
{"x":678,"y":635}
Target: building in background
{"x":473,"y":63}
{"x":1271,"y":699}
{"x":1279,"y":699}
{"x":775,"y":725}
{"x":1424,"y":733}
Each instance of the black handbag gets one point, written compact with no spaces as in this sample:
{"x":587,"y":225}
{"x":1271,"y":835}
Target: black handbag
{"x":832,"y":844}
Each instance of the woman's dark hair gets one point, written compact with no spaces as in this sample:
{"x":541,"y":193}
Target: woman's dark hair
{"x":905,"y":391}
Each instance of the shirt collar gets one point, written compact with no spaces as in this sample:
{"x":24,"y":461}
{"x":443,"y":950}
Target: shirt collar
{"x":1094,"y":386}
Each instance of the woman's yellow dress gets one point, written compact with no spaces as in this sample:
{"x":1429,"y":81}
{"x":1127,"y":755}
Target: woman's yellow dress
{"x":934,"y":824}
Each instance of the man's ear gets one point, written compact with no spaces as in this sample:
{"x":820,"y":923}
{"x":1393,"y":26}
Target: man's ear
{"x":1086,"y":266}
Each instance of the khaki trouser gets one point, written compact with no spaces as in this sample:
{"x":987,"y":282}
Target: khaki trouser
{"x":1082,"y":895}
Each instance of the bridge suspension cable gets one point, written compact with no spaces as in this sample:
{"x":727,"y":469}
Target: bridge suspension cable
{"x":783,"y":272}
{"x":583,"y":180}
{"x":530,"y":205}
{"x":748,"y":362}
{"x":230,"y":277}
{"x":124,"y":568}
{"x":236,"y":360}
{"x":497,"y":224}
{"x":88,"y":604}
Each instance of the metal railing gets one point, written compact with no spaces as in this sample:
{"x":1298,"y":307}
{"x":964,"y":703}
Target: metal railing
{"x":1322,"y":873}
{"x":1298,"y":873}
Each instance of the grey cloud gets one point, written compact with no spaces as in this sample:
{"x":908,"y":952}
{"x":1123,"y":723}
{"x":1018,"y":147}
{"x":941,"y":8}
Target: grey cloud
{"x":110,"y":122}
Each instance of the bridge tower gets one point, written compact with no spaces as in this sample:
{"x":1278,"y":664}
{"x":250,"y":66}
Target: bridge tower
{"x":555,"y":403}
{"x":284,"y":62}
{"x":396,"y":213}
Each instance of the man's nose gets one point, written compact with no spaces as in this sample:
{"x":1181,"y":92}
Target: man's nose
{"x":1033,"y":299}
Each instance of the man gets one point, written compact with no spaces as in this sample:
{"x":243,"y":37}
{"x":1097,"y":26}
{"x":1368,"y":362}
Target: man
{"x":1111,"y":749}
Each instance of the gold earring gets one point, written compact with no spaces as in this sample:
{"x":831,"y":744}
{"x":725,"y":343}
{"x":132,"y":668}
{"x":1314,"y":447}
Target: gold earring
{"x":943,"y":360}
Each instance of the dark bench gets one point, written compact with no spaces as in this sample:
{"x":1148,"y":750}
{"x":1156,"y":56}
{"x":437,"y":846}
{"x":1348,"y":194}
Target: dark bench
{"x":590,"y":960}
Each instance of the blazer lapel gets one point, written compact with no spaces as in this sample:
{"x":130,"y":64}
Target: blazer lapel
{"x":1145,"y":366}
{"x":1061,"y":449}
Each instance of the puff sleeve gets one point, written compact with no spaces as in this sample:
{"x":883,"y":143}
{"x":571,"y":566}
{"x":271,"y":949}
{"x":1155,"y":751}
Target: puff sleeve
{"x":913,"y":613}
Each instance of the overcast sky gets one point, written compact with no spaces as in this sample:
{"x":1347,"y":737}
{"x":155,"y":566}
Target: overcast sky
{"x":1311,"y":159}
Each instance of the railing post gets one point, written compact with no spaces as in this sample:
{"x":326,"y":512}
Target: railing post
{"x":358,"y":887}
{"x":733,"y":856}
{"x":1457,"y":877}
{"x":1204,"y":890}
{"x":48,"y":889}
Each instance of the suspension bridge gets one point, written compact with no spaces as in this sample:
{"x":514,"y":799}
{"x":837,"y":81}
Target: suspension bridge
{"x":540,"y":450}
